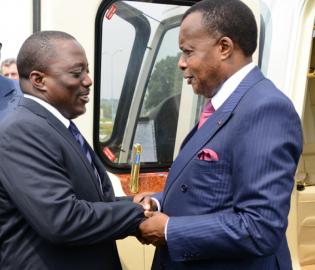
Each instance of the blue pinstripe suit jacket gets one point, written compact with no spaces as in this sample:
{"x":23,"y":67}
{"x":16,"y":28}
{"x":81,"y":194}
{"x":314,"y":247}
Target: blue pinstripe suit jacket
{"x":10,"y":93}
{"x":232,"y":213}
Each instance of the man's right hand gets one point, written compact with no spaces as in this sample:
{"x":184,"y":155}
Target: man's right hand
{"x":148,"y":204}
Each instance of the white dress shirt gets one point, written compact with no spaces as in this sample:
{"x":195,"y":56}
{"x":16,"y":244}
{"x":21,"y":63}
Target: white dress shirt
{"x":51,"y":109}
{"x":228,"y":87}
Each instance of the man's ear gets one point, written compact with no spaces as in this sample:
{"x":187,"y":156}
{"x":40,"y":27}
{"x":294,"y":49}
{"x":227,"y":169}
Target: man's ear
{"x":37,"y":79}
{"x":226,"y":47}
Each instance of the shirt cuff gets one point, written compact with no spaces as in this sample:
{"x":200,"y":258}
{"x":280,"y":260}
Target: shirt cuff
{"x":159,"y":209}
{"x":165,"y":229}
{"x":157,"y":204}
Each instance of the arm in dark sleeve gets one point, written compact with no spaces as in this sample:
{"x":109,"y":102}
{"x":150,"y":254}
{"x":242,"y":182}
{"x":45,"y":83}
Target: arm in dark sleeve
{"x":33,"y":174}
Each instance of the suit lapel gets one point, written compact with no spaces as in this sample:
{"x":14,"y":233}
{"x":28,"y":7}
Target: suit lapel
{"x":108,"y":191}
{"x":64,"y":132}
{"x":197,"y":138}
{"x":189,"y":135}
{"x":196,"y":142}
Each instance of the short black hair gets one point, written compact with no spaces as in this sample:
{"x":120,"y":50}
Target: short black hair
{"x":231,"y":18}
{"x":37,"y":50}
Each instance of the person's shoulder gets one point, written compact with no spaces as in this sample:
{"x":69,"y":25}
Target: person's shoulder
{"x":265,"y":93}
{"x":21,"y":120}
{"x":270,"y":91}
{"x":5,"y":82}
{"x":7,"y":85}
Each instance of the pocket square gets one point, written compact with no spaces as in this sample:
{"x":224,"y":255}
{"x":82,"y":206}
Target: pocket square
{"x":208,"y":154}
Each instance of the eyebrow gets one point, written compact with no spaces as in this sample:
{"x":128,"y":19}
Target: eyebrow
{"x":79,"y":65}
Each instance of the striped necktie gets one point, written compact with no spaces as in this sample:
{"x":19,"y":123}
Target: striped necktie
{"x":208,"y":110}
{"x":85,"y":148}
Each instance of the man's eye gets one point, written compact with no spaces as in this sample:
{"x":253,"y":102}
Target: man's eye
{"x":76,"y":74}
{"x":186,"y":53}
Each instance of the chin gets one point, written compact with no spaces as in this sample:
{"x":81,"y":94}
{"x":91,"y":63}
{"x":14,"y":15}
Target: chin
{"x":198,"y":92}
{"x":77,"y":113}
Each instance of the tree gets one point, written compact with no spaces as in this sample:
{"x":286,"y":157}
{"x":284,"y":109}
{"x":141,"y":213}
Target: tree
{"x":166,"y":80}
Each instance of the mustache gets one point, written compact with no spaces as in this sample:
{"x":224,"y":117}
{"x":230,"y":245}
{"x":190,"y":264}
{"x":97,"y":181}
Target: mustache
{"x":85,"y":92}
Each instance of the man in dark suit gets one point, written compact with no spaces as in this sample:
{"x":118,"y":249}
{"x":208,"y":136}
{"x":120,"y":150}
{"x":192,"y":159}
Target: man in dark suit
{"x":227,"y":197}
{"x":58,"y":209}
{"x":9,"y":94}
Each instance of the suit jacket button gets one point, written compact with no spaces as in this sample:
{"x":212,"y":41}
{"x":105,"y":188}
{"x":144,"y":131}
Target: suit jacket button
{"x":183,"y":188}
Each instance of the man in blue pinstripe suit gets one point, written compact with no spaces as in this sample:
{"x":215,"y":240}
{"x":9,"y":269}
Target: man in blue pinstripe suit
{"x":227,"y":197}
{"x":10,"y":93}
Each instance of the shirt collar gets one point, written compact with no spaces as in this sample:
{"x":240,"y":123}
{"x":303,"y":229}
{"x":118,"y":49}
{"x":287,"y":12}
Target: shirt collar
{"x":51,"y":109}
{"x":230,"y":85}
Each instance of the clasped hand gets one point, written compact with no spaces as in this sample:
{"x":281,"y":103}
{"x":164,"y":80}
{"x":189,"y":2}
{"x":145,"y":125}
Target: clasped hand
{"x":152,"y":229}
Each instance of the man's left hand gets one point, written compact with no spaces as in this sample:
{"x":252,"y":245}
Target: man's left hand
{"x":152,"y":229}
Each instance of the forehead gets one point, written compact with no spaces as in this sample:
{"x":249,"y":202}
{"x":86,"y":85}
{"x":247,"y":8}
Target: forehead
{"x":10,"y":67}
{"x":67,"y":51}
{"x":192,"y":27}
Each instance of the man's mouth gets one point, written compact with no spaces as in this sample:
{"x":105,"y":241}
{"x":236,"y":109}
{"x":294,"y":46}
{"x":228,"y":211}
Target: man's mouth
{"x":85,"y":96}
{"x":189,"y":80}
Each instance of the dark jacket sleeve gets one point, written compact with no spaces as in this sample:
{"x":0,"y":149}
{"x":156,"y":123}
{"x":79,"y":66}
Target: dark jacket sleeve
{"x":57,"y":201}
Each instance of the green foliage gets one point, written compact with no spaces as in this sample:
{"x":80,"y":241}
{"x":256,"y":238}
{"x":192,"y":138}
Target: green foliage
{"x":107,"y":115}
{"x":166,"y":80}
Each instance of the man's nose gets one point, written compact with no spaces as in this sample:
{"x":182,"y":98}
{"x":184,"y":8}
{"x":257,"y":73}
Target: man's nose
{"x":87,"y":81}
{"x":182,"y":63}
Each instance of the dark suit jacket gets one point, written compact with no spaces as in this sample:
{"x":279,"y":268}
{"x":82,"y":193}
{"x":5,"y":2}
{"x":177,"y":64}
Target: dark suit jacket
{"x":9,"y":95}
{"x":53,"y":214}
{"x":232,"y":213}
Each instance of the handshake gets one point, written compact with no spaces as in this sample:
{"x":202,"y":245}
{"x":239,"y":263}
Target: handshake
{"x":152,"y":228}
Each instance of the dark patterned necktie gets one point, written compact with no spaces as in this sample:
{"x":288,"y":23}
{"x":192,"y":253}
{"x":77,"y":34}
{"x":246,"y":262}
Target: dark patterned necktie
{"x":84,"y":147}
{"x":208,"y":110}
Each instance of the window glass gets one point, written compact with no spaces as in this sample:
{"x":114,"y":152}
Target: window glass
{"x":116,"y":49}
{"x":157,"y":123}
{"x":140,"y":83}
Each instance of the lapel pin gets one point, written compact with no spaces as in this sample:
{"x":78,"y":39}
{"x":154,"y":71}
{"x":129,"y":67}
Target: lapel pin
{"x":219,"y":122}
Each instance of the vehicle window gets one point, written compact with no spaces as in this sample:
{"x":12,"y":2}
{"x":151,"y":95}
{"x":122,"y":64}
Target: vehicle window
{"x":116,"y":51}
{"x":138,"y":80}
{"x":157,"y":122}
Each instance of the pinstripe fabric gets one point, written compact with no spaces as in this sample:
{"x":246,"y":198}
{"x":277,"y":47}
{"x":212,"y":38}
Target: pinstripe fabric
{"x":232,"y":213}
{"x":10,"y":94}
